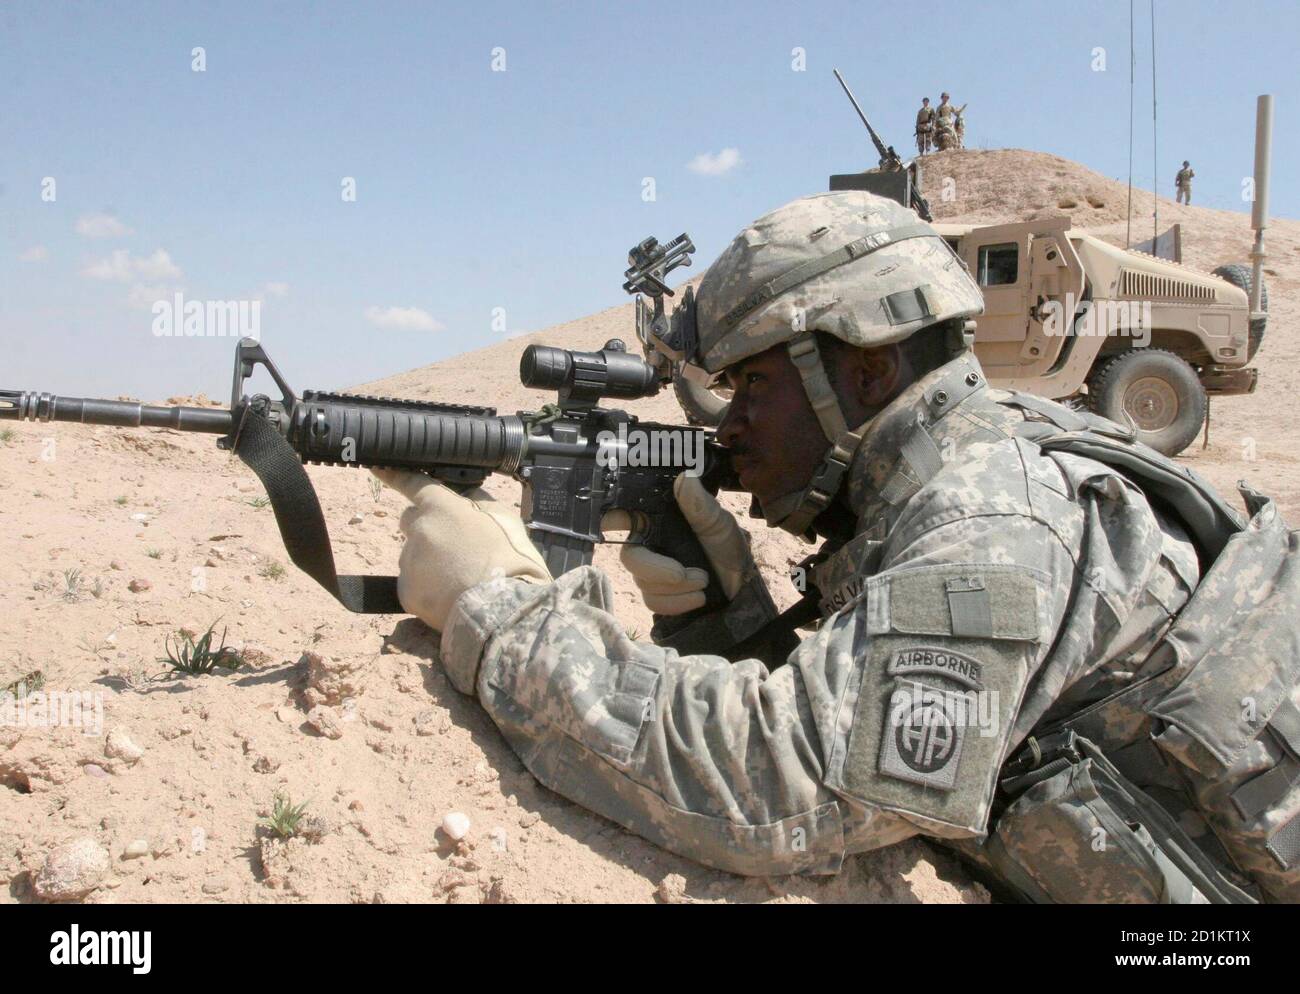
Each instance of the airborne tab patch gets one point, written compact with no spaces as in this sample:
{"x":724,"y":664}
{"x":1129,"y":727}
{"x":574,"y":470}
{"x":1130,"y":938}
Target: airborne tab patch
{"x":938,"y":662}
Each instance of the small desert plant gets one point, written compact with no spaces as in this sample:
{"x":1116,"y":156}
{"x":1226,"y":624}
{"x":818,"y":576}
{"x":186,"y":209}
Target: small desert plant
{"x":154,"y":553}
{"x":286,"y":817}
{"x":28,"y":683}
{"x":258,"y":502}
{"x":272,"y":570}
{"x":197,"y":657}
{"x":376,"y":488}
{"x":72,"y":584}
{"x":633,"y":633}
{"x":120,"y":501}
{"x":135,"y":676}
{"x":7,"y":435}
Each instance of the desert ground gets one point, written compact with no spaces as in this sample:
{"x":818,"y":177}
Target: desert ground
{"x":126,"y":536}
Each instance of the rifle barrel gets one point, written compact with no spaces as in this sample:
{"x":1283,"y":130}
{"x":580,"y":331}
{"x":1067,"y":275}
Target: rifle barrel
{"x":16,"y":405}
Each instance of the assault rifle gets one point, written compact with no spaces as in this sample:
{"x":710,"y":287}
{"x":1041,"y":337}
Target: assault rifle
{"x":571,"y":458}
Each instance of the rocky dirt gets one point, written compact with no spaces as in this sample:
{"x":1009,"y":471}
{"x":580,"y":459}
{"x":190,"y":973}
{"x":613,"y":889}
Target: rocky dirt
{"x":155,"y":788}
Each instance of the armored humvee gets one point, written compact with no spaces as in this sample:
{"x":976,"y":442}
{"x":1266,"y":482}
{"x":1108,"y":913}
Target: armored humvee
{"x":1071,"y":317}
{"x":1067,"y":314}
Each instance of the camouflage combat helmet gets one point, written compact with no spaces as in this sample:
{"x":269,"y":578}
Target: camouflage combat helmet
{"x":857,"y":266}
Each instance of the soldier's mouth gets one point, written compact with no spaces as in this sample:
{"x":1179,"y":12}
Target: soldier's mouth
{"x":743,"y":467}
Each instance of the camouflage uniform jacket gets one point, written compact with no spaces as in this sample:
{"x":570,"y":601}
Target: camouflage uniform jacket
{"x":985,"y":576}
{"x":945,"y":111}
{"x":924,"y":118}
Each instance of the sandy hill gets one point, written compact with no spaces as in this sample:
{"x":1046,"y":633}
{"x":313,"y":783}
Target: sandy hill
{"x":114,"y":539}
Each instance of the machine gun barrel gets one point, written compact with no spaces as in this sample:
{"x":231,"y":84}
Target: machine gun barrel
{"x":888,"y":157}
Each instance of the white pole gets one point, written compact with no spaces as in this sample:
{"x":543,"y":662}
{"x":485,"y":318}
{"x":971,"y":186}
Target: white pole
{"x":1259,"y":211}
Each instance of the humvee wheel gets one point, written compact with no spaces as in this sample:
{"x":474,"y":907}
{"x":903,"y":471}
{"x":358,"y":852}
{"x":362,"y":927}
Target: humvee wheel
{"x":1158,"y":390}
{"x":1240,"y":276}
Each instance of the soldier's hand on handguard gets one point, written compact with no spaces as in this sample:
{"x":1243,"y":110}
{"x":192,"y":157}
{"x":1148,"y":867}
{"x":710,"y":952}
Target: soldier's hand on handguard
{"x":667,"y":586}
{"x":454,"y":542}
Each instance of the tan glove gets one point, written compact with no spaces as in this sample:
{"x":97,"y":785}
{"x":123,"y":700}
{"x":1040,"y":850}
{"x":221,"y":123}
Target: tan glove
{"x":668,"y":587}
{"x":455,"y":542}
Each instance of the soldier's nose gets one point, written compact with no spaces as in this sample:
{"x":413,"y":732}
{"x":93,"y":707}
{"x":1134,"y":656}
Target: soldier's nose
{"x":729,"y":429}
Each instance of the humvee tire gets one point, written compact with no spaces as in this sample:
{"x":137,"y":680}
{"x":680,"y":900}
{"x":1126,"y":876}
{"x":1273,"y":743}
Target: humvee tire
{"x":1158,"y":390}
{"x":703,"y":407}
{"x":1239,"y":275}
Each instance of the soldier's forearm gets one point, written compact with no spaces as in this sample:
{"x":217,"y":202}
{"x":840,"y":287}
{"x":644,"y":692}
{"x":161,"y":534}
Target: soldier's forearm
{"x":718,"y":762}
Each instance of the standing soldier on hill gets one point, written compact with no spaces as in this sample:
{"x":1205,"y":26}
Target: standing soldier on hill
{"x":1183,"y":183}
{"x":945,"y":111}
{"x":959,"y":126}
{"x":945,"y":133}
{"x":924,"y":126}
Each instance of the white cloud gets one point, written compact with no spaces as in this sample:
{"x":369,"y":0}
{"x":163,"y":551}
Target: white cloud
{"x":402,"y":319}
{"x":710,"y":164}
{"x":37,"y":253}
{"x":123,"y":267}
{"x":101,"y":226}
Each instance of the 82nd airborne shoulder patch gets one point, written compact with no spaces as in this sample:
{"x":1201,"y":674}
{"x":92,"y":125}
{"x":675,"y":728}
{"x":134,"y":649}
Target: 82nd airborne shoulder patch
{"x":922,"y":738}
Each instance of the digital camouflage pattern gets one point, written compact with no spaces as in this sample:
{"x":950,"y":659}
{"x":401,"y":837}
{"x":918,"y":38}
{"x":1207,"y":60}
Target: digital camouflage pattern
{"x":890,"y":292}
{"x":1012,"y":619}
{"x":984,"y":595}
{"x":1221,"y":718}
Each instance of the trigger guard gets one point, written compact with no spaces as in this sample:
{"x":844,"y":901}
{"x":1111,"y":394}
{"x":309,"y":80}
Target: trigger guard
{"x":637,"y":532}
{"x":640,"y":530}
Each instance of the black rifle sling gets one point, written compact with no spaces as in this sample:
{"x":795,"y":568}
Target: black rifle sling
{"x":302,"y":524}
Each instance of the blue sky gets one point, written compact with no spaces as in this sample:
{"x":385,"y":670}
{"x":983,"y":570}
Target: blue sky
{"x":515,"y":194}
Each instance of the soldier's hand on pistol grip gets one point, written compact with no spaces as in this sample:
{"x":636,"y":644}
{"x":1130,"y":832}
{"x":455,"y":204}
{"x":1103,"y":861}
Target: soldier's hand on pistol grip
{"x":454,"y":542}
{"x":668,"y":587}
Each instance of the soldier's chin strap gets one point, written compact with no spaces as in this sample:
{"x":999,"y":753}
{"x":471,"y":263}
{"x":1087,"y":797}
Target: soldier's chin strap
{"x":796,"y":511}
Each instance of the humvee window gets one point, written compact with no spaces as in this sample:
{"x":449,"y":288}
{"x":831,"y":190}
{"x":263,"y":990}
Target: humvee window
{"x":998,"y":264}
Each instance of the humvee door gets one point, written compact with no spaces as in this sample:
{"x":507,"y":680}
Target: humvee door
{"x":1032,"y":282}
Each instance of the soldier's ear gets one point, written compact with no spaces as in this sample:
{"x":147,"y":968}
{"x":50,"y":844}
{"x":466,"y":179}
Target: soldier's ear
{"x":875,"y":374}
